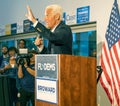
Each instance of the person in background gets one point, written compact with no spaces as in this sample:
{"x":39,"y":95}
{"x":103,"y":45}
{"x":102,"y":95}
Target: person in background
{"x":4,"y":58}
{"x":26,"y":74}
{"x":11,"y":71}
{"x":21,"y":44}
{"x":22,"y":49}
{"x":56,"y":32}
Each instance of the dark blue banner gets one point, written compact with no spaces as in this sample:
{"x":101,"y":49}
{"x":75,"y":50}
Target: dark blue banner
{"x":14,"y":28}
{"x":83,"y":14}
{"x":27,"y":26}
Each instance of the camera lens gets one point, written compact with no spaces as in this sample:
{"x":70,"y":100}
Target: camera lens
{"x":21,"y":61}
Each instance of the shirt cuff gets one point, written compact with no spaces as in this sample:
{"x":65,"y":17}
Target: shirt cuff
{"x":41,"y":48}
{"x":34,"y":25}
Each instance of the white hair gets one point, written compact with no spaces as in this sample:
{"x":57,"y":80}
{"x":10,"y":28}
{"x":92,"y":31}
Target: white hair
{"x":56,"y":9}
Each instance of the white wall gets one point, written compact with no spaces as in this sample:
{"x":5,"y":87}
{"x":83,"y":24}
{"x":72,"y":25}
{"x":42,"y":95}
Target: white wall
{"x":12,"y":11}
{"x":15,"y":10}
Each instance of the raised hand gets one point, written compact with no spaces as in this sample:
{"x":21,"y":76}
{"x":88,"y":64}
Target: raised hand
{"x":30,"y":15}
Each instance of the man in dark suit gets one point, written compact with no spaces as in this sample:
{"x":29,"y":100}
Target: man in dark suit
{"x":58,"y":34}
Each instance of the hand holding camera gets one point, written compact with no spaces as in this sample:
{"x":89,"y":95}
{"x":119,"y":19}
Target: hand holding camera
{"x":21,"y":61}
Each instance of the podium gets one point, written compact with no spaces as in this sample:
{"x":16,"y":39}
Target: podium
{"x":65,"y":80}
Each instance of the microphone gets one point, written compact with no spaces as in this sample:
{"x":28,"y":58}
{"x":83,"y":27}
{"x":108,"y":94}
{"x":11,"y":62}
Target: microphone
{"x":38,"y":39}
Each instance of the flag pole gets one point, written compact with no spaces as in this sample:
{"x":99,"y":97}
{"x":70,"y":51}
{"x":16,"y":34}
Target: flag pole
{"x":99,"y":70}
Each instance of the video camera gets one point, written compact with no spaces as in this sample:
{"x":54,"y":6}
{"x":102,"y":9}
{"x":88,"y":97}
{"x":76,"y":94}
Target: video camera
{"x":24,"y":56}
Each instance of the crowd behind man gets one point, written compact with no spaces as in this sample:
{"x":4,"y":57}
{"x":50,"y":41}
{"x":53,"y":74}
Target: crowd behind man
{"x":21,"y":73}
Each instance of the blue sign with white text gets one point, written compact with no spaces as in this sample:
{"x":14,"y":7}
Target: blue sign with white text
{"x":14,"y":28}
{"x":64,"y":17}
{"x":83,"y":14}
{"x":27,"y":26}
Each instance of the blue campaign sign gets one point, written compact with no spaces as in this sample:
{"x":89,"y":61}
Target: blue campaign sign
{"x":83,"y":14}
{"x":47,"y":66}
{"x":64,"y":17}
{"x":14,"y":28}
{"x":27,"y":26}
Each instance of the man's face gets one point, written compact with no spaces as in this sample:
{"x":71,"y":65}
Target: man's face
{"x":4,"y":50}
{"x":50,"y":19}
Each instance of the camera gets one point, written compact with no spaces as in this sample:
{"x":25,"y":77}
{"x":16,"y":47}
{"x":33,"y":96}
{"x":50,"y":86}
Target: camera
{"x":24,"y":57}
{"x":21,"y":61}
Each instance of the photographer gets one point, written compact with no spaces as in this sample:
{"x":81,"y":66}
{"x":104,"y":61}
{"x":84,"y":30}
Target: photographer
{"x":26,"y":74}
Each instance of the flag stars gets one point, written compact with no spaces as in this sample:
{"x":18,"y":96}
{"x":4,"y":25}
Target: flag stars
{"x":113,"y":29}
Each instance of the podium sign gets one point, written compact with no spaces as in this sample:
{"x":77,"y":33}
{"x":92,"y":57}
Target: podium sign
{"x":46,"y":90}
{"x":46,"y":66}
{"x":46,"y":78}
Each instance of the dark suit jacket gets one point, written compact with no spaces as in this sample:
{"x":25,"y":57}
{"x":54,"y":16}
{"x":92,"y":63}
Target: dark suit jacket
{"x":60,"y":41}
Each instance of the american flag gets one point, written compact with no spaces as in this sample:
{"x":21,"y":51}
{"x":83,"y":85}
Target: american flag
{"x":110,"y":58}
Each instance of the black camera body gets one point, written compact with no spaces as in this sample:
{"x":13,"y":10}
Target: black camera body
{"x":21,"y":61}
{"x":24,"y":57}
